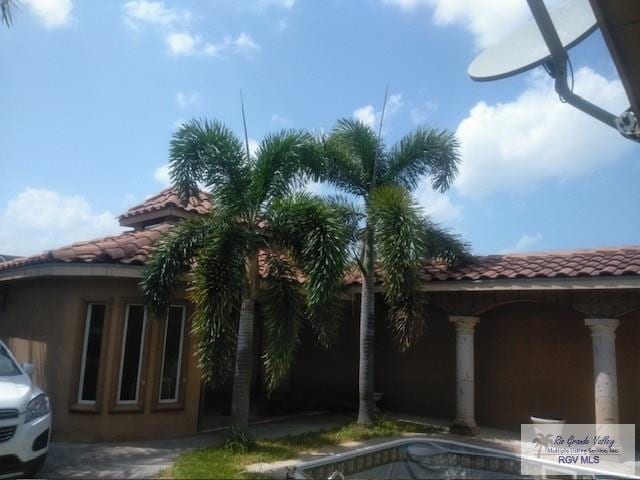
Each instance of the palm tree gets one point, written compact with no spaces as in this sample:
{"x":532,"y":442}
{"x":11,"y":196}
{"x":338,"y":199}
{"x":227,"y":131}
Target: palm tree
{"x":7,"y":11}
{"x":260,"y":227}
{"x":394,"y":231}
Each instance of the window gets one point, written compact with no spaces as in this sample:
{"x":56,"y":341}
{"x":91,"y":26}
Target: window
{"x":172,"y":355}
{"x":8,"y":367}
{"x":90,"y":360}
{"x":132,"y":354}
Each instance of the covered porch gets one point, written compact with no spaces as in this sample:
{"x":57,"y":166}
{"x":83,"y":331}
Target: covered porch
{"x":562,"y":349}
{"x":507,"y":337}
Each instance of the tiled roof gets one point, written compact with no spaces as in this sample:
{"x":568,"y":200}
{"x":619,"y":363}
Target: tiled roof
{"x":131,"y":248}
{"x":200,"y":203}
{"x":577,"y":263}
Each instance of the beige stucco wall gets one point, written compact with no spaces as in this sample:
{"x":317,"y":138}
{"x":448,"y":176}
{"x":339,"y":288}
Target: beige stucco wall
{"x":530,"y":358}
{"x":42,"y":322}
{"x":533,"y":359}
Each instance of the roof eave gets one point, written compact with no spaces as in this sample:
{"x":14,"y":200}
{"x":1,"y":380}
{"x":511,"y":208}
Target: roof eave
{"x":56,"y":269}
{"x":604,"y":282}
{"x":160,"y":214}
{"x":619,"y":23}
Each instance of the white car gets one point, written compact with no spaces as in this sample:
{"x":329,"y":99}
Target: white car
{"x":25,"y":419}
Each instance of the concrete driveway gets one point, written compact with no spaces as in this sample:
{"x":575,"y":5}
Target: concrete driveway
{"x":147,"y":459}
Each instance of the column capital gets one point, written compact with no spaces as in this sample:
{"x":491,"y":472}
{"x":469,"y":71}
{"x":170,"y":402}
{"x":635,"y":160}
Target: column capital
{"x":602,"y":326}
{"x":464,"y":323}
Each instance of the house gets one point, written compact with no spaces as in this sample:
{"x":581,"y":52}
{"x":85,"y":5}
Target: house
{"x":508,"y":337}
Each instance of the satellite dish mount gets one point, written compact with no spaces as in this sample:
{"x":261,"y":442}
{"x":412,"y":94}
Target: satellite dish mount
{"x":523,"y":50}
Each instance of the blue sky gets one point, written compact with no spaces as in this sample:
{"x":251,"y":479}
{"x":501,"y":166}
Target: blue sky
{"x":93,"y":90}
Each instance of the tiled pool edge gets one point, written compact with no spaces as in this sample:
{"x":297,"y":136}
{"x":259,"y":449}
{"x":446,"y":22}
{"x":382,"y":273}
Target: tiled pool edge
{"x":493,"y":460}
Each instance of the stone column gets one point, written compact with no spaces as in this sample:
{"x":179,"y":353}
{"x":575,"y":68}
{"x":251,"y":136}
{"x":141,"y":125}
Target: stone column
{"x":465,"y":422}
{"x":604,"y":368}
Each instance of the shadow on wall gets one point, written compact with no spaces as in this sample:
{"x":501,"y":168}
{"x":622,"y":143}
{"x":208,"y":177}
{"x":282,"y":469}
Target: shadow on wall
{"x":33,"y":352}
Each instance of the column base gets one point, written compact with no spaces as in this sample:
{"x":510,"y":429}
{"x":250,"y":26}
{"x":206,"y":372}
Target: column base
{"x":460,"y":428}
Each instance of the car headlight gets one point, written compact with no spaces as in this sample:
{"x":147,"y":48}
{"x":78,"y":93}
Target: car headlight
{"x":37,"y":407}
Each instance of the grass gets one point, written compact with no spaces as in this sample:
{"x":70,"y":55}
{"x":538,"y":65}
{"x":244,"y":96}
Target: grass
{"x":223,"y":462}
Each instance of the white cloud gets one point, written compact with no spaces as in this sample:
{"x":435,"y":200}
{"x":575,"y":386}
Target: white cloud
{"x":515,"y":145}
{"x":39,"y":219}
{"x":525,"y":244}
{"x":369,"y":116}
{"x":162,"y":175}
{"x":437,"y":206}
{"x":245,"y":43}
{"x":136,"y":12}
{"x":184,"y":43}
{"x":51,"y":13}
{"x":279,"y":119}
{"x":188,"y":99}
{"x":253,"y":146}
{"x":421,"y":113}
{"x":394,"y":104}
{"x":487,"y":20}
{"x":214,"y":49}
{"x":366,"y":115}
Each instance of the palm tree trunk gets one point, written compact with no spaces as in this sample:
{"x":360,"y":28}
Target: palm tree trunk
{"x":367,"y":337}
{"x":241,"y":400}
{"x":240,"y":403}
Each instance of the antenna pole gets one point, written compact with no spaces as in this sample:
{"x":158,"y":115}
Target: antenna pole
{"x":376,"y":155}
{"x":244,"y":123}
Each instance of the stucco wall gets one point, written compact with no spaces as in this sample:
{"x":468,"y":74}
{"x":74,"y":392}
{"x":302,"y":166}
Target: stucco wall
{"x":421,"y":380}
{"x":628,"y":365}
{"x":323,"y":378}
{"x":531,"y":359}
{"x":42,"y":322}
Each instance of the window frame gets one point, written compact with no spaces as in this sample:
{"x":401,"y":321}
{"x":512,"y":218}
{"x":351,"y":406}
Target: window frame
{"x":119,"y":343}
{"x":179,"y":402}
{"x":164,"y":353}
{"x":75,"y":405}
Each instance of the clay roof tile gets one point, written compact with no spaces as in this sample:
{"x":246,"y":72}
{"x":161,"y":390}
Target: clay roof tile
{"x":200,"y":203}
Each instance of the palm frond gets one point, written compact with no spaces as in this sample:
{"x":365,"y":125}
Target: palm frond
{"x":172,"y":257}
{"x":284,"y":161}
{"x":210,"y":153}
{"x":314,"y":235}
{"x":7,"y":11}
{"x":282,"y":304}
{"x":353,"y":148}
{"x":219,"y":277}
{"x":424,"y":152}
{"x":399,"y":242}
{"x":353,"y":216}
{"x":441,"y":244}
{"x":341,"y":169}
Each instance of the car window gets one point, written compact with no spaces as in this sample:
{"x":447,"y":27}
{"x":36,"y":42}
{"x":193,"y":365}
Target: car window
{"x":8,"y":367}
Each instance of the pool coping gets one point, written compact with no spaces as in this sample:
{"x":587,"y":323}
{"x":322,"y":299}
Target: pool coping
{"x":298,"y":473}
{"x":293,"y":468}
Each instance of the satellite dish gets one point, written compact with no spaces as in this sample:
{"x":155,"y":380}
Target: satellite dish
{"x":526,"y":48}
